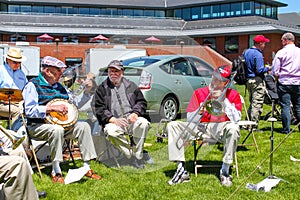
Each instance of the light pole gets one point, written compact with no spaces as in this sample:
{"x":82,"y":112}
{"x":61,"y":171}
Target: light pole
{"x":57,"y":40}
{"x":181,"y":45}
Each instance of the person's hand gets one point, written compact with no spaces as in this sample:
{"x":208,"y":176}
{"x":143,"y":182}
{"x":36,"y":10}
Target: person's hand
{"x":132,"y":118}
{"x":88,"y":86}
{"x":121,"y":122}
{"x":62,"y":109}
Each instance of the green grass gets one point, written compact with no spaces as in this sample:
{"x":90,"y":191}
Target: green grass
{"x":151,"y":182}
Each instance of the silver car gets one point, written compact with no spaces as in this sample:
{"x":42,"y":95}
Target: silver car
{"x":167,"y":81}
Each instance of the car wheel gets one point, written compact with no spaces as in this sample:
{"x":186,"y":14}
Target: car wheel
{"x":169,"y":108}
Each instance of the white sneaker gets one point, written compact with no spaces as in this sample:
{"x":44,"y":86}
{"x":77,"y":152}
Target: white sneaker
{"x":181,"y":176}
{"x":226,"y":180}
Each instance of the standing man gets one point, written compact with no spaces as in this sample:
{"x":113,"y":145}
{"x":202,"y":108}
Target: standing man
{"x":119,"y":106}
{"x":37,"y":93}
{"x":221,"y":128}
{"x":286,"y":69}
{"x":11,"y":76}
{"x":255,"y":83}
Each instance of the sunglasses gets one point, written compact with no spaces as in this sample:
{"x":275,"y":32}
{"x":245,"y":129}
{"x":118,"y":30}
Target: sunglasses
{"x":14,"y":62}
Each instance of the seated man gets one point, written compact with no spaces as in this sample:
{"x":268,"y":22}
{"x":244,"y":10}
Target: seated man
{"x":119,"y":106}
{"x":37,"y":93}
{"x":11,"y":76}
{"x":222,"y":128}
{"x":15,"y":171}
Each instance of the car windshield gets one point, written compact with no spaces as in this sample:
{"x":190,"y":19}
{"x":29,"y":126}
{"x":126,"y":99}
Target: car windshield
{"x":139,"y":62}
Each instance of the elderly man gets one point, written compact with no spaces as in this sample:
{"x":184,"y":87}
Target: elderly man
{"x":286,"y":69}
{"x":119,"y":106}
{"x":11,"y":76}
{"x":214,"y":128}
{"x":37,"y":94}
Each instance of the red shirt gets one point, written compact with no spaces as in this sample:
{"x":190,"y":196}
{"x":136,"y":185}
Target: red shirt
{"x":200,"y":95}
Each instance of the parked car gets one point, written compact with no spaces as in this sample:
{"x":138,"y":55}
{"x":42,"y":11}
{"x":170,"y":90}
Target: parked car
{"x":167,"y":81}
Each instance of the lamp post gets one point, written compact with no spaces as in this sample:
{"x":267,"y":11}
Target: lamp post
{"x":181,"y":45}
{"x":57,"y":40}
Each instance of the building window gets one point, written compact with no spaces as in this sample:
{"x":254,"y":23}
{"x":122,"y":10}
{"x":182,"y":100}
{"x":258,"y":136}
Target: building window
{"x":17,"y":37}
{"x":94,"y":11}
{"x":209,"y":41}
{"x":224,"y":10}
{"x":13,"y":8}
{"x":84,"y":11}
{"x":257,"y":8}
{"x":216,"y":11}
{"x":149,"y":13}
{"x":49,"y":9}
{"x":159,"y":13}
{"x":247,"y":8}
{"x":186,"y":13}
{"x":236,"y":9}
{"x":37,"y":9}
{"x":231,"y":44}
{"x":177,"y":13}
{"x":128,"y":12}
{"x":196,"y":13}
{"x":26,"y":9}
{"x":137,"y":12}
{"x":206,"y":12}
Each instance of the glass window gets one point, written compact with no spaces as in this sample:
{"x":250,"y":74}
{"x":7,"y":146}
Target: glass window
{"x":216,"y":11}
{"x":177,"y":13}
{"x":236,"y":9}
{"x":149,"y":13}
{"x":159,"y":13}
{"x":231,"y":44}
{"x":137,"y":12}
{"x":37,"y":9}
{"x":206,"y":12}
{"x":225,"y":10}
{"x":200,"y":68}
{"x":72,"y":10}
{"x":94,"y":11}
{"x":17,"y":37}
{"x":84,"y":11}
{"x":13,"y":8}
{"x":274,"y":12}
{"x":104,"y":11}
{"x":209,"y":41}
{"x":58,"y":9}
{"x":70,"y":39}
{"x":186,"y":13}
{"x":196,"y":13}
{"x":268,"y":11}
{"x":49,"y":9}
{"x":25,"y":8}
{"x":127,"y":12}
{"x":263,"y":9}
{"x":247,"y":8}
{"x":257,"y":8}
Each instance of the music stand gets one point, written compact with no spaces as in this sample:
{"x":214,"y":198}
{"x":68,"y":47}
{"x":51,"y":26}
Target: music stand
{"x":9,"y":94}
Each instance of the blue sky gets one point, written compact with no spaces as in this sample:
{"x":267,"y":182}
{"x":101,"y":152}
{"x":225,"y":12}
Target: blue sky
{"x":293,"y":6}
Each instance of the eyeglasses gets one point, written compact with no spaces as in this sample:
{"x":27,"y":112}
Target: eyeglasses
{"x":16,"y":63}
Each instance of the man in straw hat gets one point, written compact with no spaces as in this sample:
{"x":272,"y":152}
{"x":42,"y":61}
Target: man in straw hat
{"x":11,"y":76}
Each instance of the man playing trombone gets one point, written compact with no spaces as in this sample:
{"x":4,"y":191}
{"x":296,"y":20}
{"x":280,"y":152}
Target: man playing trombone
{"x":212,"y":114}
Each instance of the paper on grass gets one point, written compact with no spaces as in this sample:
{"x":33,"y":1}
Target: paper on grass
{"x":75,"y":174}
{"x":267,"y":184}
{"x":292,"y":158}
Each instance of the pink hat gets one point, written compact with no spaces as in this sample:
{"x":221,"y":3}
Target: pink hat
{"x":222,"y":73}
{"x":260,"y":39}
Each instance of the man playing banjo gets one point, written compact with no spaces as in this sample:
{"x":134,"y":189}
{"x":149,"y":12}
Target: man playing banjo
{"x":38,"y":95}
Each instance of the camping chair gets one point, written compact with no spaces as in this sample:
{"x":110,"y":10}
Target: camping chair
{"x":248,"y":125}
{"x":36,"y":150}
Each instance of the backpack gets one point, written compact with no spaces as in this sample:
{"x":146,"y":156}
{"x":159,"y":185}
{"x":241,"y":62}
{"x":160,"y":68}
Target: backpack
{"x":239,"y":65}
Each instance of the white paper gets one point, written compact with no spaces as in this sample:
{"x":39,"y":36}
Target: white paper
{"x":75,"y":175}
{"x":266,"y":184}
{"x":294,"y":159}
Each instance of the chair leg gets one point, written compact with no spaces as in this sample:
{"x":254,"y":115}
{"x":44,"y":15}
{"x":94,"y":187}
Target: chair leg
{"x":35,"y":160}
{"x":70,"y":152}
{"x":254,"y":140}
{"x":236,"y":164}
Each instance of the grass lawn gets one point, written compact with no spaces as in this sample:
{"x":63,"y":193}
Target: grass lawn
{"x":151,"y":182}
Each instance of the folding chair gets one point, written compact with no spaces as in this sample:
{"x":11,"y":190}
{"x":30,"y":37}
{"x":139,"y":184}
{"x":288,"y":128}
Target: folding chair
{"x":198,"y":143}
{"x":35,"y":150}
{"x":249,"y":125}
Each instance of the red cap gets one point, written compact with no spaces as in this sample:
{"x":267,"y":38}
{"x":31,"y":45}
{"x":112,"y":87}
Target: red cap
{"x":222,"y":73}
{"x":260,"y":38}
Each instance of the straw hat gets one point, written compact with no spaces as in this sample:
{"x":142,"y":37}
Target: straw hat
{"x":15,"y":54}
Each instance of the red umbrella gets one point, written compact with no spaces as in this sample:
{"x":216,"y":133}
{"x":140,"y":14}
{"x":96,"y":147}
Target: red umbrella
{"x":99,"y":37}
{"x":45,"y":37}
{"x":152,"y":39}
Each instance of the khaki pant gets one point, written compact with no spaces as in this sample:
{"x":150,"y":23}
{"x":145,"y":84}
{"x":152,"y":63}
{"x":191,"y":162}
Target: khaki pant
{"x":14,"y":111}
{"x":224,"y":132}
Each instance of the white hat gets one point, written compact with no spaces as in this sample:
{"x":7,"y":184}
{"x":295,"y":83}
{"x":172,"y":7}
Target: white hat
{"x":15,"y":54}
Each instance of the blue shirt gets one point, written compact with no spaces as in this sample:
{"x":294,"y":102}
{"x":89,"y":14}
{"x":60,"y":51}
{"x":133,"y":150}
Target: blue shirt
{"x":255,"y":62}
{"x":12,"y":79}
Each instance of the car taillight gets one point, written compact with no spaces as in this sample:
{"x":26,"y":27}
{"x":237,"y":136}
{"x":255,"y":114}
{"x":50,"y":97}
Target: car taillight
{"x":145,"y":80}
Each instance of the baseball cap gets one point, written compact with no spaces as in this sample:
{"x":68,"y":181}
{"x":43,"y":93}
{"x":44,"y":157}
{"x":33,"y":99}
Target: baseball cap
{"x":260,"y":38}
{"x":52,"y":62}
{"x":222,"y":72}
{"x":116,"y":64}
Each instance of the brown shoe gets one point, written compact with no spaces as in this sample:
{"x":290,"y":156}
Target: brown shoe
{"x":57,"y":178}
{"x":93,"y":175}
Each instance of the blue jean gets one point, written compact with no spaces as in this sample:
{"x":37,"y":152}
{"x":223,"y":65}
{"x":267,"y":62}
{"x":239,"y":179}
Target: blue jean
{"x":289,"y":94}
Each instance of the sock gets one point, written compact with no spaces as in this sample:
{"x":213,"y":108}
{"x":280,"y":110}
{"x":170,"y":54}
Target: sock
{"x":86,"y":165}
{"x":55,"y":167}
{"x":180,"y":164}
{"x":225,"y":169}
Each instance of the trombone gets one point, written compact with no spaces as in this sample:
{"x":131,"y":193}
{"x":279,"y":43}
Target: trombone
{"x":212,"y":106}
{"x":16,"y":141}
